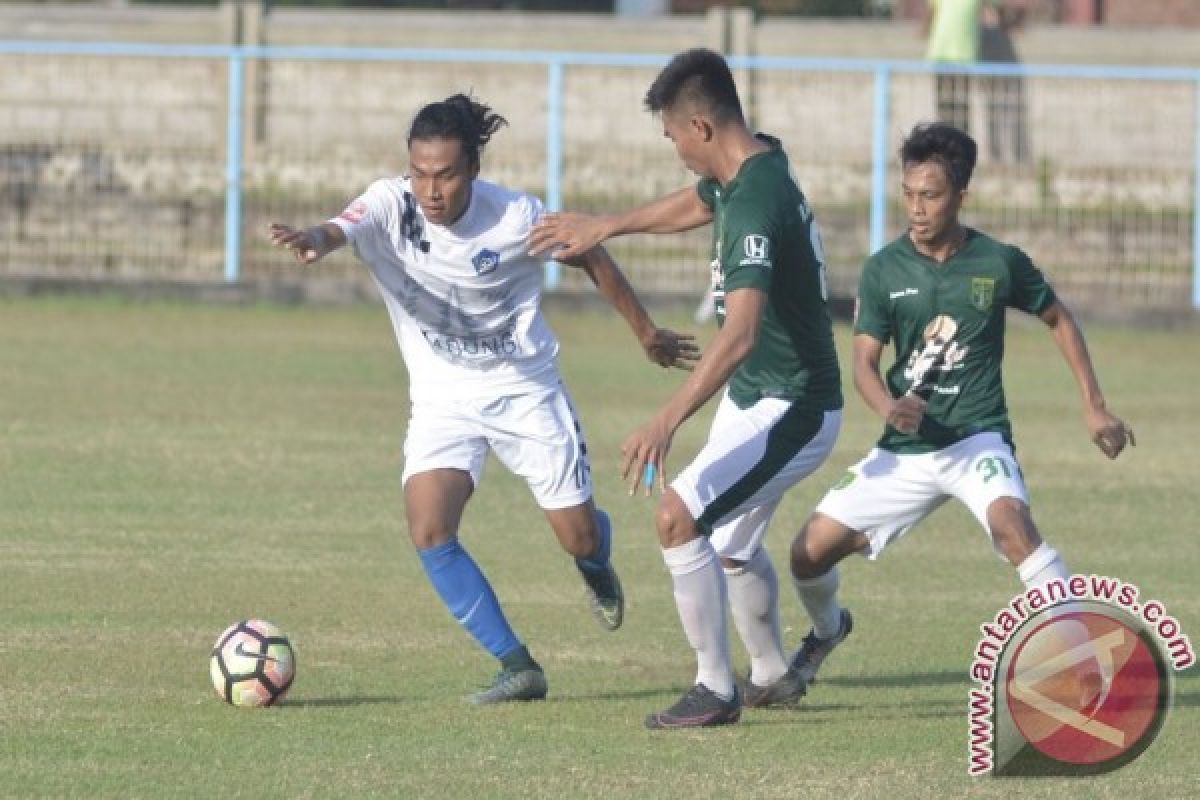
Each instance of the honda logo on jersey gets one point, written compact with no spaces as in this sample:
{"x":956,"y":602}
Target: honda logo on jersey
{"x":755,"y":248}
{"x":485,"y":261}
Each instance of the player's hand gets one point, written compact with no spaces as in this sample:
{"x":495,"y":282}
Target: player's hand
{"x":299,"y":242}
{"x":644,"y":457}
{"x":1109,"y":432}
{"x":670,"y":349}
{"x":906,"y":413}
{"x":564,"y":234}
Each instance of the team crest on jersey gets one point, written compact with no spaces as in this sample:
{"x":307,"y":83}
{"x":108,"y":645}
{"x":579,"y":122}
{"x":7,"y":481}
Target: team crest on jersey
{"x":983,"y":290}
{"x":485,"y":261}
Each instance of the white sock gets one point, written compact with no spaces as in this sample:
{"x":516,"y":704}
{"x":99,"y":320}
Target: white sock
{"x":819,"y":596}
{"x":1041,"y":566}
{"x":701,"y":600}
{"x":754,"y":599}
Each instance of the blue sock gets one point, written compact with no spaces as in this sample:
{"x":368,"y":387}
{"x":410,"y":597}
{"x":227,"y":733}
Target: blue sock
{"x":598,"y":561}
{"x":467,"y":593}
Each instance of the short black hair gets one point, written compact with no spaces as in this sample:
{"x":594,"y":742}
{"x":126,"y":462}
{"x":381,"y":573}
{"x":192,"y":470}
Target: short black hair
{"x":457,"y":117}
{"x":942,"y":144}
{"x":698,"y":76}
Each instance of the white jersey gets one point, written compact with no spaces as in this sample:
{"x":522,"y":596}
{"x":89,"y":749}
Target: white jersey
{"x":464,"y":299}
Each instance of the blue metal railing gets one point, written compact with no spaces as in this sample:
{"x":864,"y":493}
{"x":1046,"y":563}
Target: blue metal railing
{"x":556,"y":63}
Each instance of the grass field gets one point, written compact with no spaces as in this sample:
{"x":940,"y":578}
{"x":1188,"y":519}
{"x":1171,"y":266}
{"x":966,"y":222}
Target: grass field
{"x":166,"y":469}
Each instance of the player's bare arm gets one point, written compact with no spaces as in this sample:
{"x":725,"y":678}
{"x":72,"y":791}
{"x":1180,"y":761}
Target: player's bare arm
{"x":1109,"y":432}
{"x":664,"y":347}
{"x":728,"y":349}
{"x":574,"y":233}
{"x":308,"y":244}
{"x":902,"y":413}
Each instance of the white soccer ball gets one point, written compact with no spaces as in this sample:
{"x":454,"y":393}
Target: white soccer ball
{"x":252,"y":664}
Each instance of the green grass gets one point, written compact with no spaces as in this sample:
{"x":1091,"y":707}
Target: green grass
{"x":166,"y":469}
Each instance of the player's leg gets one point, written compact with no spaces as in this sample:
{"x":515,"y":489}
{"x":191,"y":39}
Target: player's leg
{"x":815,"y":553}
{"x":585,"y":532}
{"x":953,"y":100}
{"x":753,"y":588}
{"x":989,"y":481}
{"x":443,"y":463}
{"x":539,"y":438}
{"x":985,"y":475}
{"x":876,"y":502}
{"x":752,"y":458}
{"x":700,"y":599}
{"x":729,"y":493}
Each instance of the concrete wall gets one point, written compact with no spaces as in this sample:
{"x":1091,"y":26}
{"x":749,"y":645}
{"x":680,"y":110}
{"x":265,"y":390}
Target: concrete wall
{"x":116,"y":166}
{"x":1040,"y":43}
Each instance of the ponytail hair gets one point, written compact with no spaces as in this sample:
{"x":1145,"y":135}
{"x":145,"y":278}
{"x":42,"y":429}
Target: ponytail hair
{"x":461,"y":118}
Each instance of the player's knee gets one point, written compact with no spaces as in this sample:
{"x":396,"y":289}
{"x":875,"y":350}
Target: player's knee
{"x":1012,"y":528}
{"x":674,"y":521}
{"x":802,"y":563}
{"x":576,"y":530}
{"x":581,"y":542}
{"x":427,"y":533}
{"x":816,"y":547}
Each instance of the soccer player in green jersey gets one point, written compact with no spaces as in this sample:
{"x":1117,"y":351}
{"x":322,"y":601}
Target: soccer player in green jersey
{"x":781,"y":411}
{"x":940,"y":293}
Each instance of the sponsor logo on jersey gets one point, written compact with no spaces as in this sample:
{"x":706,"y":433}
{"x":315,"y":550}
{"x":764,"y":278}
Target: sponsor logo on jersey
{"x":485,"y":261}
{"x":717,"y":287}
{"x":411,"y":226}
{"x":755,"y":247}
{"x":354,"y":213}
{"x":472,"y":348}
{"x":908,"y":292}
{"x":983,"y":290}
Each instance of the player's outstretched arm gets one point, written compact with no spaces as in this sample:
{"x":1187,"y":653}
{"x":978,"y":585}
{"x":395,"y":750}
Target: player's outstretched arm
{"x":649,"y":445}
{"x":310,"y":244}
{"x":1109,"y":432}
{"x":664,"y":347}
{"x":566,"y":235}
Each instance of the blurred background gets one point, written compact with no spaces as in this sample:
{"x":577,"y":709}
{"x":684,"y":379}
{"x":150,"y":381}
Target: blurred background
{"x":153,"y":142}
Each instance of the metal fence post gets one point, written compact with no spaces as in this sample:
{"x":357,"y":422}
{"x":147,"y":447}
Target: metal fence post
{"x":1196,"y":205}
{"x":879,"y":155}
{"x":233,"y":167}
{"x":554,"y":157}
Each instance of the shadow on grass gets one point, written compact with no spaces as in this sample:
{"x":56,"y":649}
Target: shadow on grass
{"x":633,"y":694}
{"x":901,"y":679}
{"x":342,"y":702}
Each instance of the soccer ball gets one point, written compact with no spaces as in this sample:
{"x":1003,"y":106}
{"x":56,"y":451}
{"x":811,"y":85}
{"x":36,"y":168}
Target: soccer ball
{"x":252,"y":664}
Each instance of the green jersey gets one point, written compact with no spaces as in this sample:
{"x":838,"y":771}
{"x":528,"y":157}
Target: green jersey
{"x":765,"y":237}
{"x":901,"y":291}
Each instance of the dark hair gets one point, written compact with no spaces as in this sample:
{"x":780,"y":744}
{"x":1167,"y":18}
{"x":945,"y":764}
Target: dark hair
{"x":942,"y":144}
{"x":699,"y":77}
{"x":457,"y":117}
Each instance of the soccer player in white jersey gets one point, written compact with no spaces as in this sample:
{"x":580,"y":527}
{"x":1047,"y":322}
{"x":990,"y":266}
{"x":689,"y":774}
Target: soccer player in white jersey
{"x":449,"y":254}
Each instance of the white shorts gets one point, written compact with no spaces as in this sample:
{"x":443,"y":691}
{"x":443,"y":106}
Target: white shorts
{"x":886,"y":493}
{"x":535,"y":434}
{"x":751,"y":458}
